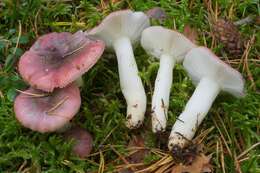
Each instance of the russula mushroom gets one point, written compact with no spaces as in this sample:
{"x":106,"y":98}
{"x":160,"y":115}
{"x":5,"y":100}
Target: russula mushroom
{"x":170,"y":47}
{"x":211,"y":76}
{"x":47,"y":112}
{"x":120,"y":30}
{"x":83,"y":141}
{"x":57,"y":59}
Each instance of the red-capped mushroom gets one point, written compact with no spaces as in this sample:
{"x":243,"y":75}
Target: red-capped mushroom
{"x":47,"y":112}
{"x":83,"y":141}
{"x":57,"y":59}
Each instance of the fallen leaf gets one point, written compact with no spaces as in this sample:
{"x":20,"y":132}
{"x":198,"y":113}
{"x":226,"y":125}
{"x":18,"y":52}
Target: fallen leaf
{"x":200,"y":165}
{"x":138,"y":156}
{"x":190,"y":33}
{"x":257,"y":20}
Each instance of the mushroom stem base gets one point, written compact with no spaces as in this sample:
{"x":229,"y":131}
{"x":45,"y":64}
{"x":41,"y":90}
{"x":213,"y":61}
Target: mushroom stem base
{"x":194,"y":112}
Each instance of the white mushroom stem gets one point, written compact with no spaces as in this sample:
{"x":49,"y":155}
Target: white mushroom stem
{"x":130,"y":82}
{"x":194,"y":112}
{"x":160,"y":100}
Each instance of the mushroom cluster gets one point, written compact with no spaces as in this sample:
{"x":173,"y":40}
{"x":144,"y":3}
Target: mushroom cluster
{"x":50,"y":67}
{"x":56,"y":60}
{"x":205,"y":69}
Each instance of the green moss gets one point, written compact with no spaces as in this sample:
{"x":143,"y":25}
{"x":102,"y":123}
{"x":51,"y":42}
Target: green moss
{"x":103,"y":106}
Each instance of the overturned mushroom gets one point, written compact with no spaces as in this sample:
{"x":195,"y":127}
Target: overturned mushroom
{"x":83,"y":141}
{"x":170,"y":47}
{"x":120,"y":30}
{"x":47,"y":112}
{"x":57,"y":59}
{"x":211,"y":76}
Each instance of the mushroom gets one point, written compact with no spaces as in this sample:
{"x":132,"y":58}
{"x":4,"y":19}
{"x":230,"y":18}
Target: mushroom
{"x":120,"y":30}
{"x":170,"y":47}
{"x":211,"y":76}
{"x":83,"y":141}
{"x":57,"y":59}
{"x":47,"y":112}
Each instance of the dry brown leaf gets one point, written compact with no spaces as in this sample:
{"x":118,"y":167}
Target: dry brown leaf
{"x":200,"y":165}
{"x":138,"y":156}
{"x":257,"y":20}
{"x":190,"y":33}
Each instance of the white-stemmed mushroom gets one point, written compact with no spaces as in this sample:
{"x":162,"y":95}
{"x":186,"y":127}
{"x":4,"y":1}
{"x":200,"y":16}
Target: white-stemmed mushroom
{"x":211,"y":76}
{"x":170,"y":47}
{"x":120,"y":30}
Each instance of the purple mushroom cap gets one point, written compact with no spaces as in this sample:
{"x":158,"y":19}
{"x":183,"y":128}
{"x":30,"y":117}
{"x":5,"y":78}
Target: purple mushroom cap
{"x":57,"y":59}
{"x":47,"y":112}
{"x":83,"y":141}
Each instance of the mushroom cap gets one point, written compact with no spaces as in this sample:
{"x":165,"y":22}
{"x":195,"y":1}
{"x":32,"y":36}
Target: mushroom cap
{"x":157,"y":41}
{"x":83,"y":141}
{"x":124,"y":23}
{"x":57,"y":59}
{"x":39,"y":113}
{"x":201,"y":62}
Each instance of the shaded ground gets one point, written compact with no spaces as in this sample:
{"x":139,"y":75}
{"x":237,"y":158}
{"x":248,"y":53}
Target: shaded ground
{"x":234,"y":123}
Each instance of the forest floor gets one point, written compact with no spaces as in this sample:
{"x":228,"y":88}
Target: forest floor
{"x":230,"y":134}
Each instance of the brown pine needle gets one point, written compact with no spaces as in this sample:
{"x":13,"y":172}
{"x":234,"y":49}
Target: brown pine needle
{"x":108,"y":135}
{"x":32,"y":94}
{"x":101,"y":163}
{"x":18,"y":38}
{"x":122,"y":158}
{"x":72,"y":52}
{"x":56,"y":106}
{"x":244,"y":60}
{"x":247,"y":150}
